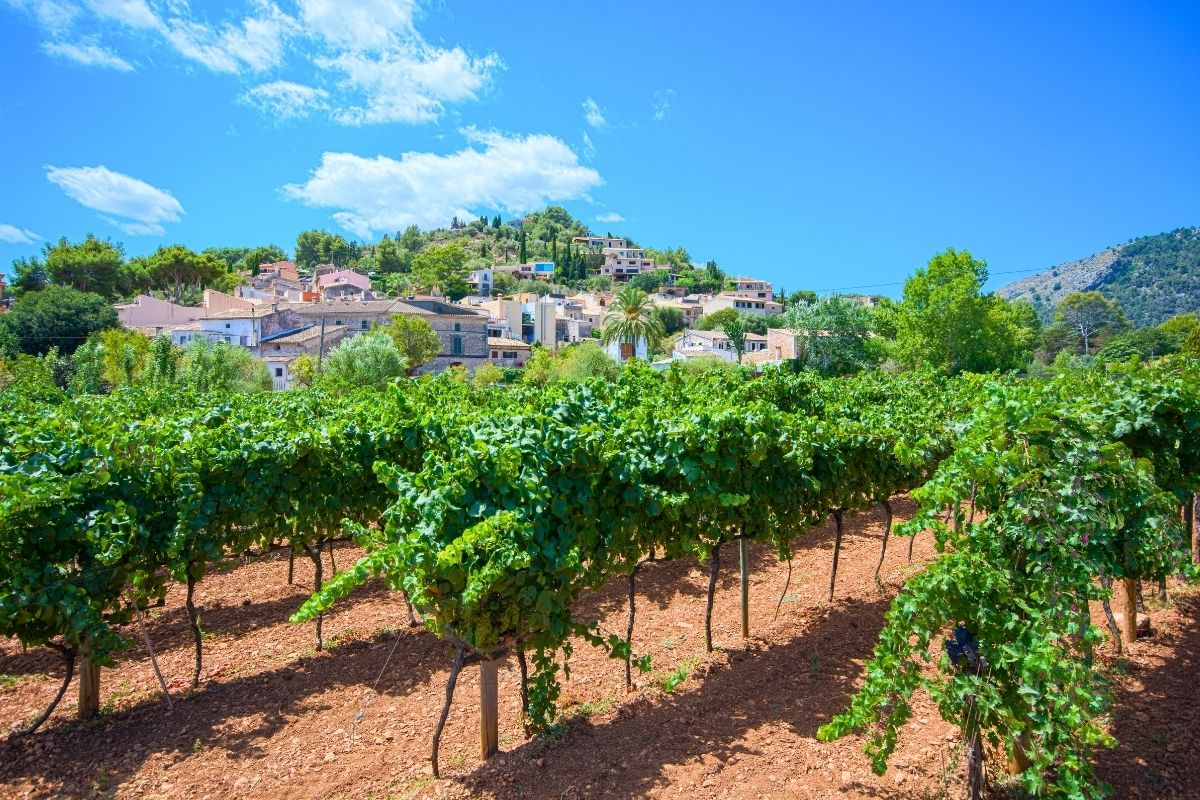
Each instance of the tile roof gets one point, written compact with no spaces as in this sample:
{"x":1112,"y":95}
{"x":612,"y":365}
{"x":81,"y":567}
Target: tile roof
{"x":503,"y":341}
{"x":303,"y":335}
{"x":240,"y":313}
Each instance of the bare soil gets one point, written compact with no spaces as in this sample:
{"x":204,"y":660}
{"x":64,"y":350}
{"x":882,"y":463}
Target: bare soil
{"x":273,"y":718}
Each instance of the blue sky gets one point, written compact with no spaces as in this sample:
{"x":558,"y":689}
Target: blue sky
{"x":820,"y":146}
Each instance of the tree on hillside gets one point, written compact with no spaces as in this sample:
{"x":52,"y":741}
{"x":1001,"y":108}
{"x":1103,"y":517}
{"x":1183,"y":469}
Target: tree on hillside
{"x":93,"y":265}
{"x":1180,"y":326}
{"x":57,"y":316}
{"x":629,"y":320}
{"x":29,"y":275}
{"x":442,"y":267}
{"x":716,"y":320}
{"x":944,"y":321}
{"x":123,"y":355}
{"x":670,"y":318}
{"x":1145,"y":343}
{"x":322,"y":247}
{"x":833,"y":336}
{"x":736,"y":329}
{"x":416,"y":340}
{"x":572,"y":364}
{"x":388,"y":258}
{"x":255,"y":257}
{"x":1089,"y":315}
{"x":1191,"y":345}
{"x":410,"y":239}
{"x":221,"y":368}
{"x":371,"y":359}
{"x":9,"y":344}
{"x":649,"y":282}
{"x":174,"y":268}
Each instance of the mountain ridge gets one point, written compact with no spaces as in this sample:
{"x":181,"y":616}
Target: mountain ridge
{"x":1152,"y":278}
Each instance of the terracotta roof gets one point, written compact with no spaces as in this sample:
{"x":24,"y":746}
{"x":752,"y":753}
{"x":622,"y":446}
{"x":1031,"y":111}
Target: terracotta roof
{"x":417,"y":306}
{"x":306,"y":335}
{"x":503,"y":341}
{"x":344,"y":276}
{"x":240,"y":313}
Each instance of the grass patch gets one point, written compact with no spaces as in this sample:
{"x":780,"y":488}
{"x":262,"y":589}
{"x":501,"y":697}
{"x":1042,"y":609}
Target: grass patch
{"x":670,"y":682}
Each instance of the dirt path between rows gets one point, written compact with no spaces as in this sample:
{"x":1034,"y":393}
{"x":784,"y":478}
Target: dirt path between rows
{"x":275,"y":719}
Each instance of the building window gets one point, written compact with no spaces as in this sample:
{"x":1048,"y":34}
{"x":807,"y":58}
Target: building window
{"x":226,"y":324}
{"x":279,"y":372}
{"x":495,"y":354}
{"x":458,"y":326}
{"x":366,"y":325}
{"x":508,"y":354}
{"x":456,"y":346}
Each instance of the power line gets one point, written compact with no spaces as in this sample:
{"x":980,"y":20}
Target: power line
{"x":901,"y":283}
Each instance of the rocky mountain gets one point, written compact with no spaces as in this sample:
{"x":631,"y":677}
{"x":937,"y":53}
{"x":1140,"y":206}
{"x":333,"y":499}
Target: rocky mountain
{"x":1153,"y":278}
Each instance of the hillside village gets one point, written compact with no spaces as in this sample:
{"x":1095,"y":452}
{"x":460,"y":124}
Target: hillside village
{"x":495,"y":296}
{"x":284,"y":311}
{"x":284,"y":314}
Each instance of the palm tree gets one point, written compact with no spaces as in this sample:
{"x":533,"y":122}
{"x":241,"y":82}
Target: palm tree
{"x":629,"y":319}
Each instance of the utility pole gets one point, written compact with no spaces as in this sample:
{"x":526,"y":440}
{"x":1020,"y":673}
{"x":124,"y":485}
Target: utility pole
{"x":321,"y":344}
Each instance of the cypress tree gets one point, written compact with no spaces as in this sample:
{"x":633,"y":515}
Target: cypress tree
{"x":521,"y":248}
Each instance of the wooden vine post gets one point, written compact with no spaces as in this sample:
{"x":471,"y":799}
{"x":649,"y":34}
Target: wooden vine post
{"x":89,"y":684}
{"x":744,"y":563}
{"x":1129,"y":627}
{"x":489,"y":708}
{"x":1193,"y":525}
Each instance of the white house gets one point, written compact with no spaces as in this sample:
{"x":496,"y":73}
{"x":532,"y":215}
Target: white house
{"x":622,"y":351}
{"x":745,"y":302}
{"x":714,"y":343}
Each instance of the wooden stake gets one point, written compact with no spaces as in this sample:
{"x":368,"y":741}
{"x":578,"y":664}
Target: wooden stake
{"x":744,"y":563}
{"x":1194,"y":526}
{"x":887,"y":531}
{"x":441,"y":723}
{"x":837,"y":547}
{"x":489,"y":709}
{"x":1019,"y":761}
{"x":1129,"y":591}
{"x":714,"y":567}
{"x":89,"y":685}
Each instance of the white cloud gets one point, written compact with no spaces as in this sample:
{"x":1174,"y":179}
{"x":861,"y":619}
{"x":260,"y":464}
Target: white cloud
{"x":256,"y":43}
{"x":131,"y":13}
{"x":609,"y":216}
{"x":89,"y":55}
{"x":662,"y":103}
{"x":14,"y":235}
{"x":131,"y":204}
{"x":56,"y":17}
{"x":495,"y":171}
{"x":366,"y":57}
{"x":593,"y":113}
{"x":589,"y":147}
{"x":363,"y":25}
{"x":409,"y":84}
{"x":284,"y":99}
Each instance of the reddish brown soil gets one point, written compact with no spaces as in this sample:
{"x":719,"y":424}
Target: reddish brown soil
{"x":273,"y":718}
